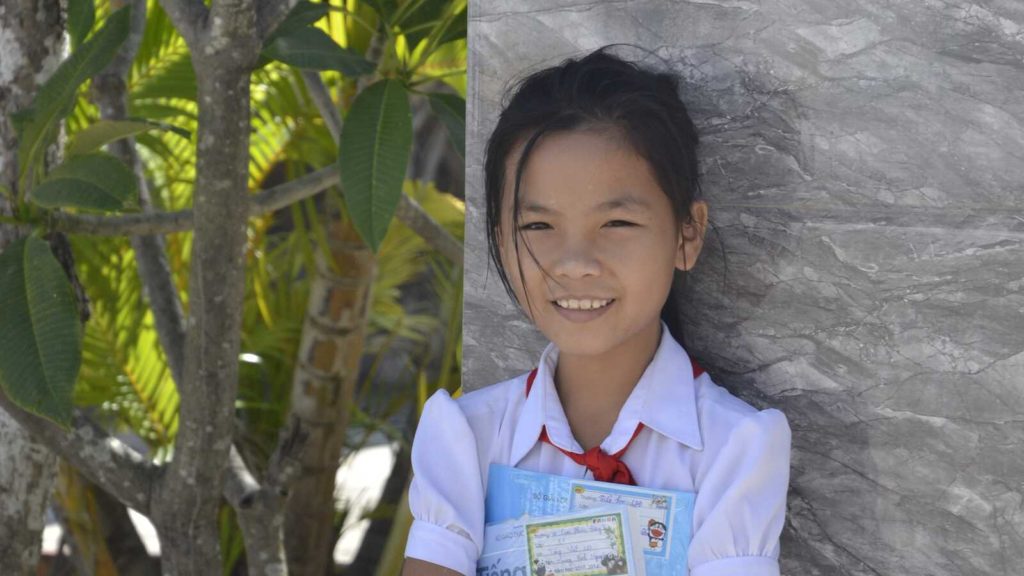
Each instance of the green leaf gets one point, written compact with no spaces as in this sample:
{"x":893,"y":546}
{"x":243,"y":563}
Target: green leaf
{"x":40,"y":333}
{"x":312,"y":48}
{"x":262,"y":61}
{"x":456,"y":29}
{"x":107,"y":131}
{"x":451,"y":109}
{"x":81,"y":17}
{"x":302,"y":15}
{"x":56,"y":97}
{"x":385,"y":8}
{"x":415,"y":23}
{"x":373,"y":153}
{"x":96,"y":181}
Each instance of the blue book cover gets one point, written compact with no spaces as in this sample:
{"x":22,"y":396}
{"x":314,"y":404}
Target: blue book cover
{"x":661,"y":524}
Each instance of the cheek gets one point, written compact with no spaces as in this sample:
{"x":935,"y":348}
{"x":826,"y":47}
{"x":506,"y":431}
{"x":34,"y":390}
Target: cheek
{"x":512,"y":264}
{"x":641,"y":252}
{"x":646,"y":264}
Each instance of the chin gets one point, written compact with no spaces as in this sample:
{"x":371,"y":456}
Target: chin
{"x":583,"y":340}
{"x":577,"y":345}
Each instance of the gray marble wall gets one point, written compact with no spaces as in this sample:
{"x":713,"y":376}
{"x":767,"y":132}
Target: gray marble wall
{"x":864,"y":162}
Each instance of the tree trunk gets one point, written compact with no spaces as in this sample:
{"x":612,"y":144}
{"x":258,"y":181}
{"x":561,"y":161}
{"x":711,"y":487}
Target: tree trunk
{"x":27,"y":472}
{"x":32,"y":33}
{"x":189,"y":495}
{"x":322,"y":391}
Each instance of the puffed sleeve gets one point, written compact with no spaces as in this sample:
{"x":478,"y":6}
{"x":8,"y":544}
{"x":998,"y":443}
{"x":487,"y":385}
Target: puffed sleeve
{"x":741,"y":502}
{"x":446,"y":495}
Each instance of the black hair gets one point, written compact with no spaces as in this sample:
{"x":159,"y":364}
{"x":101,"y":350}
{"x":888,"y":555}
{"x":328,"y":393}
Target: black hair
{"x":597,"y":90}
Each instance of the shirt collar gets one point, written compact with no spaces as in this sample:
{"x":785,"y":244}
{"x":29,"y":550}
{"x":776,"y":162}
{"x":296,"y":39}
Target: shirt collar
{"x":664,"y":400}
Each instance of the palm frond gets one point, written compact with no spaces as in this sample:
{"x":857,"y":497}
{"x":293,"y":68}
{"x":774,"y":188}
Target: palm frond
{"x":162,"y":67}
{"x":123,"y":369}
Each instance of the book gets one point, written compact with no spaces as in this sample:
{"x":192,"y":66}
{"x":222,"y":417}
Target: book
{"x":658,"y":522}
{"x":583,"y":543}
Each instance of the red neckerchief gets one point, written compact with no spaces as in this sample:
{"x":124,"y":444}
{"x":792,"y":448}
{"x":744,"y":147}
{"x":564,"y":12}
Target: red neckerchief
{"x":605,"y":467}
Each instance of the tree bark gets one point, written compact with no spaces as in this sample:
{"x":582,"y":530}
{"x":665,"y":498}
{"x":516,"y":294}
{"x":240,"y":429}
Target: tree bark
{"x":260,"y":506}
{"x":33,"y":44}
{"x":27,"y":471}
{"x":322,"y":390}
{"x":188,"y":498}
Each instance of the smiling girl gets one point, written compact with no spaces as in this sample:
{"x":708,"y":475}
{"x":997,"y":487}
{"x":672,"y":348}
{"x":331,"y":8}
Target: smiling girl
{"x":592,"y":210}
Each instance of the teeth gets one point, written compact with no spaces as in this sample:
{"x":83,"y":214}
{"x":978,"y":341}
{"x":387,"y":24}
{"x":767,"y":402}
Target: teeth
{"x":582,"y":304}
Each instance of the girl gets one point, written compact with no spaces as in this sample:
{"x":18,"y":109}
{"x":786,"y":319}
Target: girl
{"x":591,"y":172}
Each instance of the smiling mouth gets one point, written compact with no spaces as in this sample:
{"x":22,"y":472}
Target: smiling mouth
{"x":583,"y":305}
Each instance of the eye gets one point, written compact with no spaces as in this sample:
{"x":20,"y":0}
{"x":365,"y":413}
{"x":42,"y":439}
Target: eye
{"x":620,"y":223}
{"x":534,"y":226}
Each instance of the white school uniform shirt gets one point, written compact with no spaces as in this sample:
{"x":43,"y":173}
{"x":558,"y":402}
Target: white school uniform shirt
{"x":696,"y":437}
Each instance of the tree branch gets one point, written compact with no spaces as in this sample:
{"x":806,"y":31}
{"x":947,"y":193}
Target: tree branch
{"x":260,"y":516}
{"x":322,"y":99}
{"x":270,"y":13}
{"x":265,"y":201}
{"x":105,"y":460}
{"x":189,"y":17}
{"x":109,"y":90}
{"x":260,"y":508}
{"x":169,"y":222}
{"x":122,"y":62}
{"x":240,"y":487}
{"x":373,"y":54}
{"x":408,"y":212}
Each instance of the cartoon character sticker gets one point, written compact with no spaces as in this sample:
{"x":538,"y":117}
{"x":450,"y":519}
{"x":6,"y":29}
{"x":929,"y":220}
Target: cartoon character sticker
{"x":656,"y":535}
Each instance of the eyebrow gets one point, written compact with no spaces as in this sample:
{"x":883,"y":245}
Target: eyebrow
{"x":628,"y":202}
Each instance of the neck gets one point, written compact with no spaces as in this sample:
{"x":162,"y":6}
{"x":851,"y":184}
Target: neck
{"x":593,"y":389}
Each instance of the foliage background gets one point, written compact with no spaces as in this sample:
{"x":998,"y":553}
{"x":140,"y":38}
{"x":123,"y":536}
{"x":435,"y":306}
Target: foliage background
{"x":414,"y":319}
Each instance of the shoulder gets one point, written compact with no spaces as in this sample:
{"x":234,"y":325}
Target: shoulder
{"x":494,"y":398}
{"x":725,"y":418}
{"x":741,"y":483}
{"x":483,"y":411}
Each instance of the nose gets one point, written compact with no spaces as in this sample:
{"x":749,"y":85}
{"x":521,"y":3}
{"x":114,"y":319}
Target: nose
{"x":576,"y":259}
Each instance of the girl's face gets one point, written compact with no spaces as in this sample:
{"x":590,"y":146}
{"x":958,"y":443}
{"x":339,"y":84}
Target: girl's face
{"x":601,"y":227}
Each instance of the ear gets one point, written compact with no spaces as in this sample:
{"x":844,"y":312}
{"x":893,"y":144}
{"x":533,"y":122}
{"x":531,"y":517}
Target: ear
{"x":691,"y":236}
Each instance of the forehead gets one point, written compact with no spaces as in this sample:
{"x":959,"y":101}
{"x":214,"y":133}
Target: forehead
{"x":583,"y":170}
